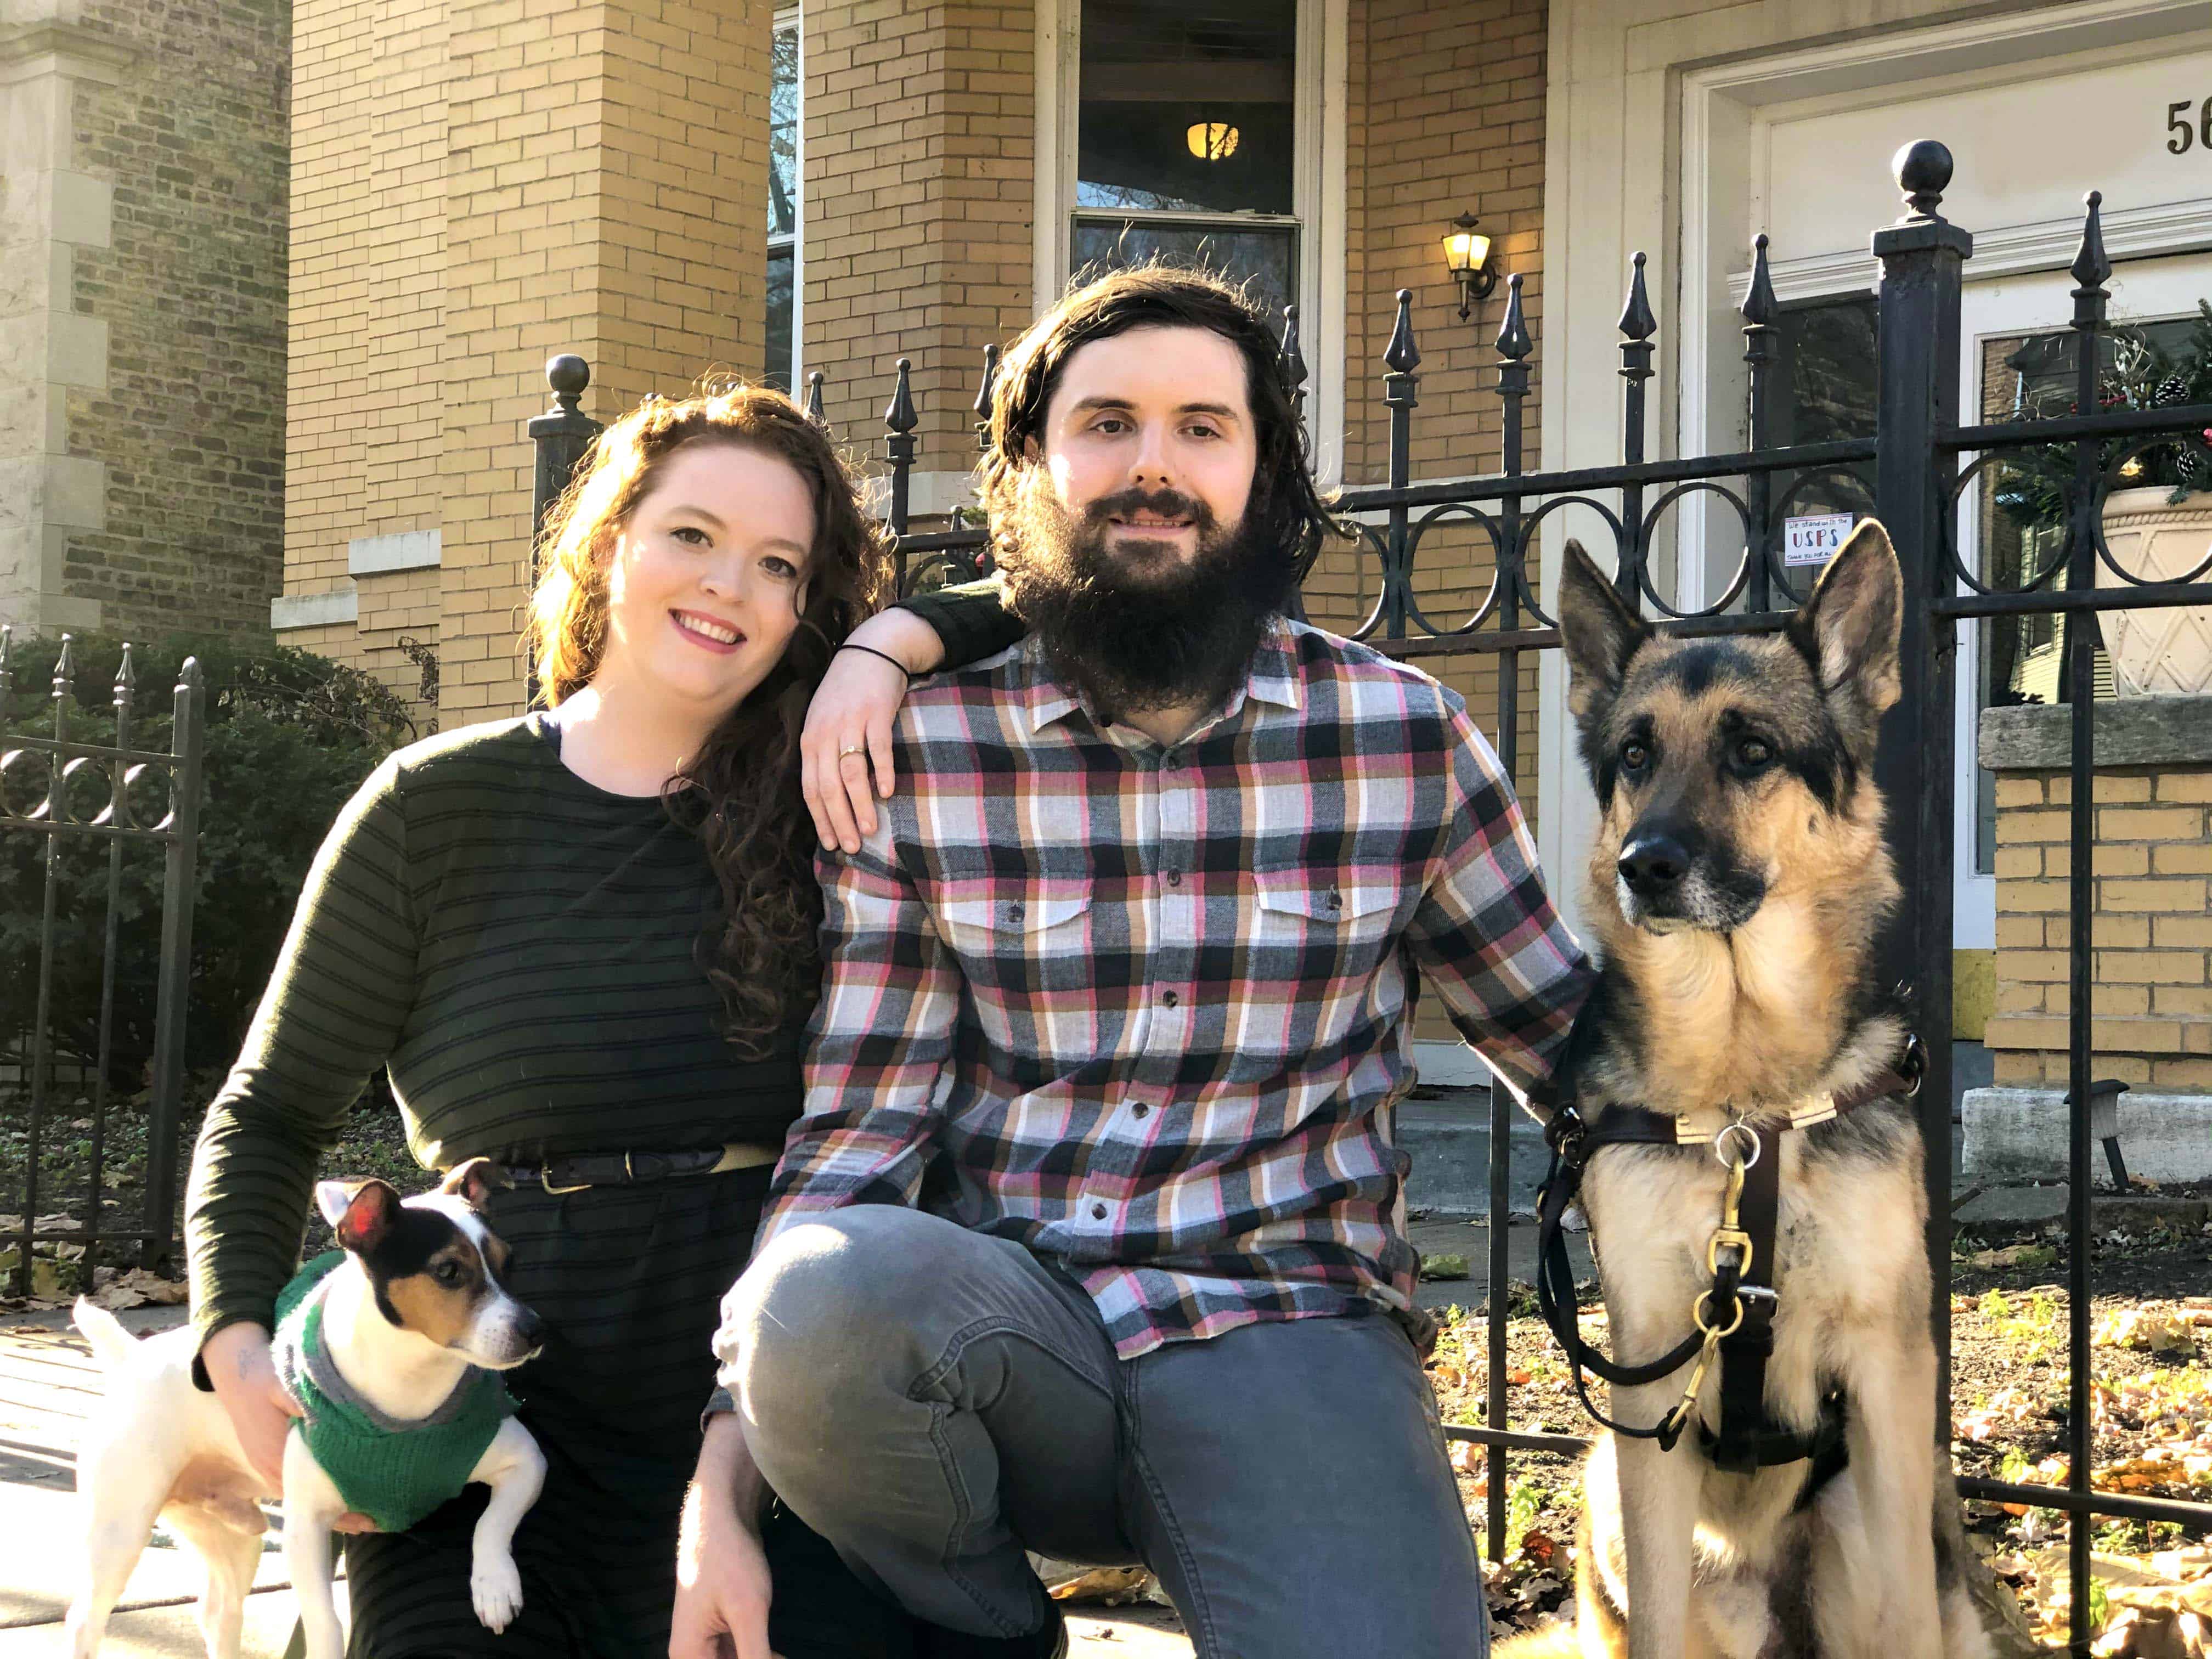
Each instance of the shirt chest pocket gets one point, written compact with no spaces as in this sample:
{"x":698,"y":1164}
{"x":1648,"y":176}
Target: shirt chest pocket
{"x":1308,"y":905}
{"x":1046,"y":928}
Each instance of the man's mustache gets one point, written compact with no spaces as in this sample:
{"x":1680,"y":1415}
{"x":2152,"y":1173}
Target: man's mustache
{"x":1163,"y":503}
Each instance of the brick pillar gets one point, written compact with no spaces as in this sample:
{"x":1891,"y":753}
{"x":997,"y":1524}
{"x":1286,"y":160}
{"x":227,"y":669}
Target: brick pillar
{"x":605,"y":192}
{"x":920,"y":152}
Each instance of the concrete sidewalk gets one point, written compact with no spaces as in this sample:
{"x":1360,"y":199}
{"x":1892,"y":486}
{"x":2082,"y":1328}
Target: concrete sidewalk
{"x":48,"y":1385}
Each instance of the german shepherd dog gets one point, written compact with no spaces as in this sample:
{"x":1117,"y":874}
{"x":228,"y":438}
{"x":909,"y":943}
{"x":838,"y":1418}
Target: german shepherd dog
{"x":1737,"y":886}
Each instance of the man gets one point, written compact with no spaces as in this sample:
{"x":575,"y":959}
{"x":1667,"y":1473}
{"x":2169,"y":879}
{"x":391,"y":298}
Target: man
{"x":1091,"y":1240}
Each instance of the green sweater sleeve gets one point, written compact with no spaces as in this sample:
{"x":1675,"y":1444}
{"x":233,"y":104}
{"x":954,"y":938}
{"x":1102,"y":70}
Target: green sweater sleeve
{"x":972,"y":619}
{"x":339,"y":994}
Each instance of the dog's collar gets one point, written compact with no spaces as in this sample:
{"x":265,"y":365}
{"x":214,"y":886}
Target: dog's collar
{"x":1575,"y":1137}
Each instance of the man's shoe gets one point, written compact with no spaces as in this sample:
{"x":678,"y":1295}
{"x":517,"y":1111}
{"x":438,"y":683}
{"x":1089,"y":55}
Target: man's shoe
{"x":1049,"y":1643}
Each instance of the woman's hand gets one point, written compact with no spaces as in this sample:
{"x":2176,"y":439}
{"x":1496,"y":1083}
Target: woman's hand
{"x":722,"y":1581}
{"x":245,"y":1378}
{"x":849,"y":725}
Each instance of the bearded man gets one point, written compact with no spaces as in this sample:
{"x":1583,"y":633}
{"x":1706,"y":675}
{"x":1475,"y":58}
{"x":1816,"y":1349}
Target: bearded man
{"x":1091,"y":1240}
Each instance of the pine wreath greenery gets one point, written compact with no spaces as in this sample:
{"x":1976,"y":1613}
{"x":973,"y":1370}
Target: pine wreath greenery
{"x":2035,"y":487}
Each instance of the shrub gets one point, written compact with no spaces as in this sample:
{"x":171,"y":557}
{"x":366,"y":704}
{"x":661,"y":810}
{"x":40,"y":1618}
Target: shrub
{"x":289,"y":736}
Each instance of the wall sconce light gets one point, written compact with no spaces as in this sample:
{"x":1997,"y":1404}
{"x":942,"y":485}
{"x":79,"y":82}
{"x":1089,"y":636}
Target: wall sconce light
{"x":1211,"y":141}
{"x":1466,"y":251}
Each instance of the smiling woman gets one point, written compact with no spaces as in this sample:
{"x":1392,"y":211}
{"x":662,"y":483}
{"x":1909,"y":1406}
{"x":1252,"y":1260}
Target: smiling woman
{"x":581,"y":943}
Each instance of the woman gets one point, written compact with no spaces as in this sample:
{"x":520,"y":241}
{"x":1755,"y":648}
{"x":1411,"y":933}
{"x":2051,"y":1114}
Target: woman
{"x":512,"y":919}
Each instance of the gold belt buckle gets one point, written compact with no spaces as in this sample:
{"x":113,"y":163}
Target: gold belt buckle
{"x":545,"y":1180}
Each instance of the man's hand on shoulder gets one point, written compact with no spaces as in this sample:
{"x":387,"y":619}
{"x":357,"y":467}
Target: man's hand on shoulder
{"x":722,"y":1583}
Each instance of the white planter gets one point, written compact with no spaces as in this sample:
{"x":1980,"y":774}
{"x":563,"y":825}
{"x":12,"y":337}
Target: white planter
{"x":2168,"y":651}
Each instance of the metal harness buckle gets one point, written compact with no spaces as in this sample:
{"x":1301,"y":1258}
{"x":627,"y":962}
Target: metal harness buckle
{"x":545,"y":1180}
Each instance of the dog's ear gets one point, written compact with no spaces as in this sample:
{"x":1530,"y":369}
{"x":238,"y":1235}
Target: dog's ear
{"x":474,"y":1182}
{"x":1600,"y":632}
{"x":359,"y":1212}
{"x":1848,"y":629}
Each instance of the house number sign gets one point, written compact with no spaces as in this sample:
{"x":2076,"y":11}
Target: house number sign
{"x":2183,"y":132}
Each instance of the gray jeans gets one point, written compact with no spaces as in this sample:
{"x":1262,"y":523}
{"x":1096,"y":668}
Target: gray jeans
{"x":933,"y":1402}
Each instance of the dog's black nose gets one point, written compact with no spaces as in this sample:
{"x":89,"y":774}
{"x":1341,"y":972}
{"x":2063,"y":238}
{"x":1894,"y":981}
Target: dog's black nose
{"x":530,"y":1328}
{"x":1651,"y":864}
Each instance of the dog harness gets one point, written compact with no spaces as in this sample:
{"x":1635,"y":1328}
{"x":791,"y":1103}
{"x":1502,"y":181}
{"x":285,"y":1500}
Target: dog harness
{"x":393,"y":1470}
{"x":1734,"y":1319}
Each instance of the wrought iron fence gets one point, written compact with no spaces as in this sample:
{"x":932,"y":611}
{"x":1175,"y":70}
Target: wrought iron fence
{"x":1909,"y":473}
{"x":51,"y":786}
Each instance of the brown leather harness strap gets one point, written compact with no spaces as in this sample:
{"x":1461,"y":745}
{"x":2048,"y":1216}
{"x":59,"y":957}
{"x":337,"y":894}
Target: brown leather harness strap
{"x":1748,"y":1439}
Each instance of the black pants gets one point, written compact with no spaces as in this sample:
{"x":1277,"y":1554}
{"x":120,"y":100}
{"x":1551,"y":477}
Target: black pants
{"x":628,"y":1281}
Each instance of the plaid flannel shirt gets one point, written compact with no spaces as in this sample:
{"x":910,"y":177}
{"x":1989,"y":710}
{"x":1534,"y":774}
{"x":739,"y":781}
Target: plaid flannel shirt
{"x":1148,"y":1010}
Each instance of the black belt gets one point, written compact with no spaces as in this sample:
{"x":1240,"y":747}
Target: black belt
{"x":1742,"y":1290}
{"x":573,"y":1174}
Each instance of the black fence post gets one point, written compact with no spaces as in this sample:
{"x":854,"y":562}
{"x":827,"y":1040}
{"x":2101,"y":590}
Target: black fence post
{"x":1922,"y":257}
{"x":560,"y":435}
{"x":900,"y":420}
{"x":179,"y":889}
{"x":1401,"y":387}
{"x":2091,"y":270}
{"x":1758,"y":331}
{"x":1637,"y":325}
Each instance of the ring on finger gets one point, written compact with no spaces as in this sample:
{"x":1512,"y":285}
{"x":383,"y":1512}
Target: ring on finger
{"x":852,"y":749}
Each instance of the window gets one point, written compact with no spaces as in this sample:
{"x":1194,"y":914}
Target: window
{"x":1187,"y":137}
{"x":783,"y":214}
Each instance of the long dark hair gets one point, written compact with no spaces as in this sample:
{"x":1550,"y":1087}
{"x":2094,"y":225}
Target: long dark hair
{"x":1286,"y":509}
{"x":740,"y":792}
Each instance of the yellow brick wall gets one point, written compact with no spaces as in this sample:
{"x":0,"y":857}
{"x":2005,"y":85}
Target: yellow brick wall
{"x":334,"y":268}
{"x":2151,"y":928}
{"x":478,"y":184}
{"x":920,"y":198}
{"x":607,"y":186}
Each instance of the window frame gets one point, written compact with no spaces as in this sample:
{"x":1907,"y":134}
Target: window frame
{"x":788,"y":17}
{"x":1319,"y":159}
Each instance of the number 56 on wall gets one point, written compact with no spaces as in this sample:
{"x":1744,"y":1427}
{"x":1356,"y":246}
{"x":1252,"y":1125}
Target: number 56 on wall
{"x":2177,"y":122}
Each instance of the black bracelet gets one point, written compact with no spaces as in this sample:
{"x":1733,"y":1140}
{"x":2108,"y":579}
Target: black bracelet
{"x":854,"y":645}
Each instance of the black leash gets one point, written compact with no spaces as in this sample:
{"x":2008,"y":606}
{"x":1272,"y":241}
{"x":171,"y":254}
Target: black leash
{"x":1734,"y":1318}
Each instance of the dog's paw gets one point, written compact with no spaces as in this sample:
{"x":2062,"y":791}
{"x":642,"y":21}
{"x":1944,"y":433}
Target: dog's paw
{"x":496,"y":1588}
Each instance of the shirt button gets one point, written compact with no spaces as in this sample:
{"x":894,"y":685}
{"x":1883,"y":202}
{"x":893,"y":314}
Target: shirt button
{"x":1169,"y":998}
{"x":1098,"y":1212}
{"x":1140,"y":1109}
{"x":1175,"y":878}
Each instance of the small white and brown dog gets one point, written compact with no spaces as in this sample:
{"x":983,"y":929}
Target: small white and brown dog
{"x":407,"y":1325}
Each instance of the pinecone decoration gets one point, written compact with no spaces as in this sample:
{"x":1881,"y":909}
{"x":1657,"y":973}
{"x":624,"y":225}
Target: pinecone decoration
{"x":2173,"y":389}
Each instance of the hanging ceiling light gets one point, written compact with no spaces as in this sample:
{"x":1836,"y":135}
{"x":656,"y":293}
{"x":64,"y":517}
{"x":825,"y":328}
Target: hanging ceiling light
{"x":1211,"y":141}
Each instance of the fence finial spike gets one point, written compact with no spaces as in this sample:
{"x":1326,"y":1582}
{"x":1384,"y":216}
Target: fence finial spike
{"x":7,"y":646}
{"x":2091,"y":267}
{"x":189,"y":674}
{"x":1513,"y":343}
{"x":900,"y":417}
{"x":1402,"y":354}
{"x":814,"y":397}
{"x":1759,"y":306}
{"x":1637,"y":321}
{"x":568,"y":376}
{"x":126,"y":675}
{"x":982,"y":404}
{"x":64,"y":665}
{"x":1292,"y":355}
{"x":1923,"y":172}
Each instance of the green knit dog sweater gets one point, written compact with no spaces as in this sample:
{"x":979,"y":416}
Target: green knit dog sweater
{"x":392,"y":1470}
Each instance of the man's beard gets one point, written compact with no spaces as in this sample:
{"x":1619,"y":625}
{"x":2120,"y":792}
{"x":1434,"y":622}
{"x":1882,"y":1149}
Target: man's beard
{"x":1132,"y":628}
